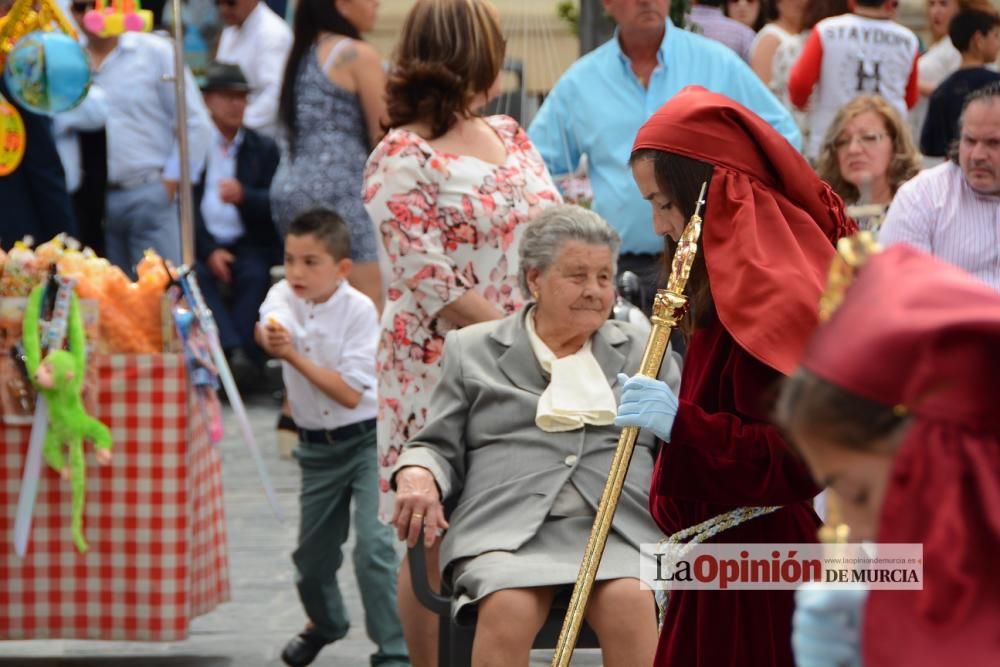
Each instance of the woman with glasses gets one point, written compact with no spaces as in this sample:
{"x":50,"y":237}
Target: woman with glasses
{"x":867,"y":154}
{"x":331,"y":111}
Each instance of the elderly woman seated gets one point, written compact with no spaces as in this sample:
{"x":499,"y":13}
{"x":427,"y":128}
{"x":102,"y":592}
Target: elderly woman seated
{"x":521,"y":436}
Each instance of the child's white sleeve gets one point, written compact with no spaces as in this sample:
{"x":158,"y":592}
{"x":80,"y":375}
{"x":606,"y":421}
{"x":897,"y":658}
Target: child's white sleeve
{"x":357,"y":362}
{"x":277,"y":308}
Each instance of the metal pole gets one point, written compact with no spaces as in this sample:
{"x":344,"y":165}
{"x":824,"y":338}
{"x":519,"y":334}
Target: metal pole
{"x":184,"y":188}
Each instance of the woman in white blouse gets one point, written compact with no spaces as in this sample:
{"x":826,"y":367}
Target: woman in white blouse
{"x":784,"y":28}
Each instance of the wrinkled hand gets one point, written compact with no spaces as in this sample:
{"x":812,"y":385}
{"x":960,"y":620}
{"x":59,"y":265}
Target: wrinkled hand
{"x":647,"y":403}
{"x":417,"y":502}
{"x":218,"y":263}
{"x":230,"y":191}
{"x":826,"y":627}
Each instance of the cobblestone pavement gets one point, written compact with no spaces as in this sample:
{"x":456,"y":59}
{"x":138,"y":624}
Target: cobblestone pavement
{"x":264,"y":612}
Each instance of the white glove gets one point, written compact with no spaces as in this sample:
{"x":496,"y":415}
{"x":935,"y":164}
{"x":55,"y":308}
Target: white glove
{"x":647,"y":403}
{"x":826,"y":627}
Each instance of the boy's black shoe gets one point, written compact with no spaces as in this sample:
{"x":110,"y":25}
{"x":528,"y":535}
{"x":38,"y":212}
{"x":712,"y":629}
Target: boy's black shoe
{"x":303,"y":648}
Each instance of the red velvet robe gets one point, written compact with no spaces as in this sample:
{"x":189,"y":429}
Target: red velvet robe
{"x":723,"y":454}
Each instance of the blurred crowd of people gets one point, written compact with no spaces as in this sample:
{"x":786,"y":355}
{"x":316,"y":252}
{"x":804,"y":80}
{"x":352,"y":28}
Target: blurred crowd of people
{"x":318,"y":97}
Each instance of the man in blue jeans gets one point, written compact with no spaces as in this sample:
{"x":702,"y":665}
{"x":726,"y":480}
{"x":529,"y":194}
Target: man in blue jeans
{"x":136,"y":70}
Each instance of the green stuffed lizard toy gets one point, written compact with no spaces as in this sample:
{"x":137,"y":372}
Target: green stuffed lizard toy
{"x":59,"y":378}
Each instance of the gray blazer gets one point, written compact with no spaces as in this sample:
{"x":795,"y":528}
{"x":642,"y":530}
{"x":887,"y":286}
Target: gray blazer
{"x":482,"y":445}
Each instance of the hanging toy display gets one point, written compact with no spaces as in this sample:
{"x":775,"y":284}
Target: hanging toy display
{"x":47,"y":72}
{"x":45,"y":68}
{"x":108,"y":19}
{"x":20,"y":269}
{"x":202,"y":371}
{"x":59,"y":378}
{"x":26,"y":16}
{"x":12,"y":138}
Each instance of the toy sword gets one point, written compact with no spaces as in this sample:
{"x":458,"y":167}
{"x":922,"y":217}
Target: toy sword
{"x":58,"y":293}
{"x":189,"y":285}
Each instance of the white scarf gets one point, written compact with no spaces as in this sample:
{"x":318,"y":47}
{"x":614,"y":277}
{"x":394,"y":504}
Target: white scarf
{"x":578,"y":392}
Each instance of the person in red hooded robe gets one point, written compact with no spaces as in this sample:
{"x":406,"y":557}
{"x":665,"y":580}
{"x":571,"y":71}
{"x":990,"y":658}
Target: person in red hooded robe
{"x":768,"y":237}
{"x":896,"y":409}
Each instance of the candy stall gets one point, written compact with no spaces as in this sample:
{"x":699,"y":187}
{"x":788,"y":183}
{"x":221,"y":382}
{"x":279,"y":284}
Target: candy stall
{"x":111,"y":502}
{"x":124,"y":538}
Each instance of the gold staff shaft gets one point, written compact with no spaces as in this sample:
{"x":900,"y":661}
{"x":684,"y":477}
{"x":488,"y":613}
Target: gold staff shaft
{"x":668,"y":309}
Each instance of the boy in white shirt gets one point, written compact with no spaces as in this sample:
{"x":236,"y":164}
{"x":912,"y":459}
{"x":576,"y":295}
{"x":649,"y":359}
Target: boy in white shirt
{"x":325,"y":332}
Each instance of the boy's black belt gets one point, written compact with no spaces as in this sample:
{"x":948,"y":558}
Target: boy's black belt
{"x":324,"y":437}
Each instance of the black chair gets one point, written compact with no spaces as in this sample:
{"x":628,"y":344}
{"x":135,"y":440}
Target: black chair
{"x":455,"y":639}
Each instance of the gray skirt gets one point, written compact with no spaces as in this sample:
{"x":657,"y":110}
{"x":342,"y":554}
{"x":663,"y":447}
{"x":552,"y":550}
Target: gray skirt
{"x":551,"y":558}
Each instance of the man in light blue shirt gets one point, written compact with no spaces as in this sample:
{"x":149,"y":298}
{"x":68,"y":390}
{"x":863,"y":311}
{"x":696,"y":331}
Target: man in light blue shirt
{"x":603,"y":99}
{"x":135,"y":71}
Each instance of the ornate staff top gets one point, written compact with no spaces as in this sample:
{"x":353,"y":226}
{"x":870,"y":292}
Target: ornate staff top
{"x":687,"y":248}
{"x":852,"y":253}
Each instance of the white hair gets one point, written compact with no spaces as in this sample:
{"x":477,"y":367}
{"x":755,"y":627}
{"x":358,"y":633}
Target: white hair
{"x":544,"y":236}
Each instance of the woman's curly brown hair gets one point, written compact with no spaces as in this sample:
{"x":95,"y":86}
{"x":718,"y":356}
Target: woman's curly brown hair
{"x":449,"y":52}
{"x":905,"y":161}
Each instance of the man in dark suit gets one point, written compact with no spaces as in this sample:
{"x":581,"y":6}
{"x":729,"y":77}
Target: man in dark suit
{"x":236,"y":241}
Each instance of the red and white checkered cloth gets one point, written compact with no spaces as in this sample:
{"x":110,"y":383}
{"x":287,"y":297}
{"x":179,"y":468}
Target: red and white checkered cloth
{"x":154,"y":519}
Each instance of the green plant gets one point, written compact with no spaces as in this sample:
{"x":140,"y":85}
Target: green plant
{"x":568,"y":11}
{"x":678,"y":10}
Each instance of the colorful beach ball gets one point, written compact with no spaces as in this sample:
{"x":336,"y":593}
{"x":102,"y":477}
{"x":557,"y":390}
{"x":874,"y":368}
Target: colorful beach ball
{"x":47,"y":72}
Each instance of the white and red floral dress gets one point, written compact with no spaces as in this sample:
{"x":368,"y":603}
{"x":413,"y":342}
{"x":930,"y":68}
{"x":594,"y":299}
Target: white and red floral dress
{"x":449,"y":223}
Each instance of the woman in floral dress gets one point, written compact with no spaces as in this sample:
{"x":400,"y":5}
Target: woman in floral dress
{"x":450,"y":192}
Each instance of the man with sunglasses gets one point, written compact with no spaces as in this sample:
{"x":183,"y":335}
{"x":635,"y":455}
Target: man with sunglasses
{"x":136,"y":70}
{"x":258,"y":40}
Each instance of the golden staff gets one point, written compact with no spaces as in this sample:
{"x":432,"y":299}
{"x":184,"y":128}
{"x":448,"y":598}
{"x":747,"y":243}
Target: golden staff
{"x":669,"y":307}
